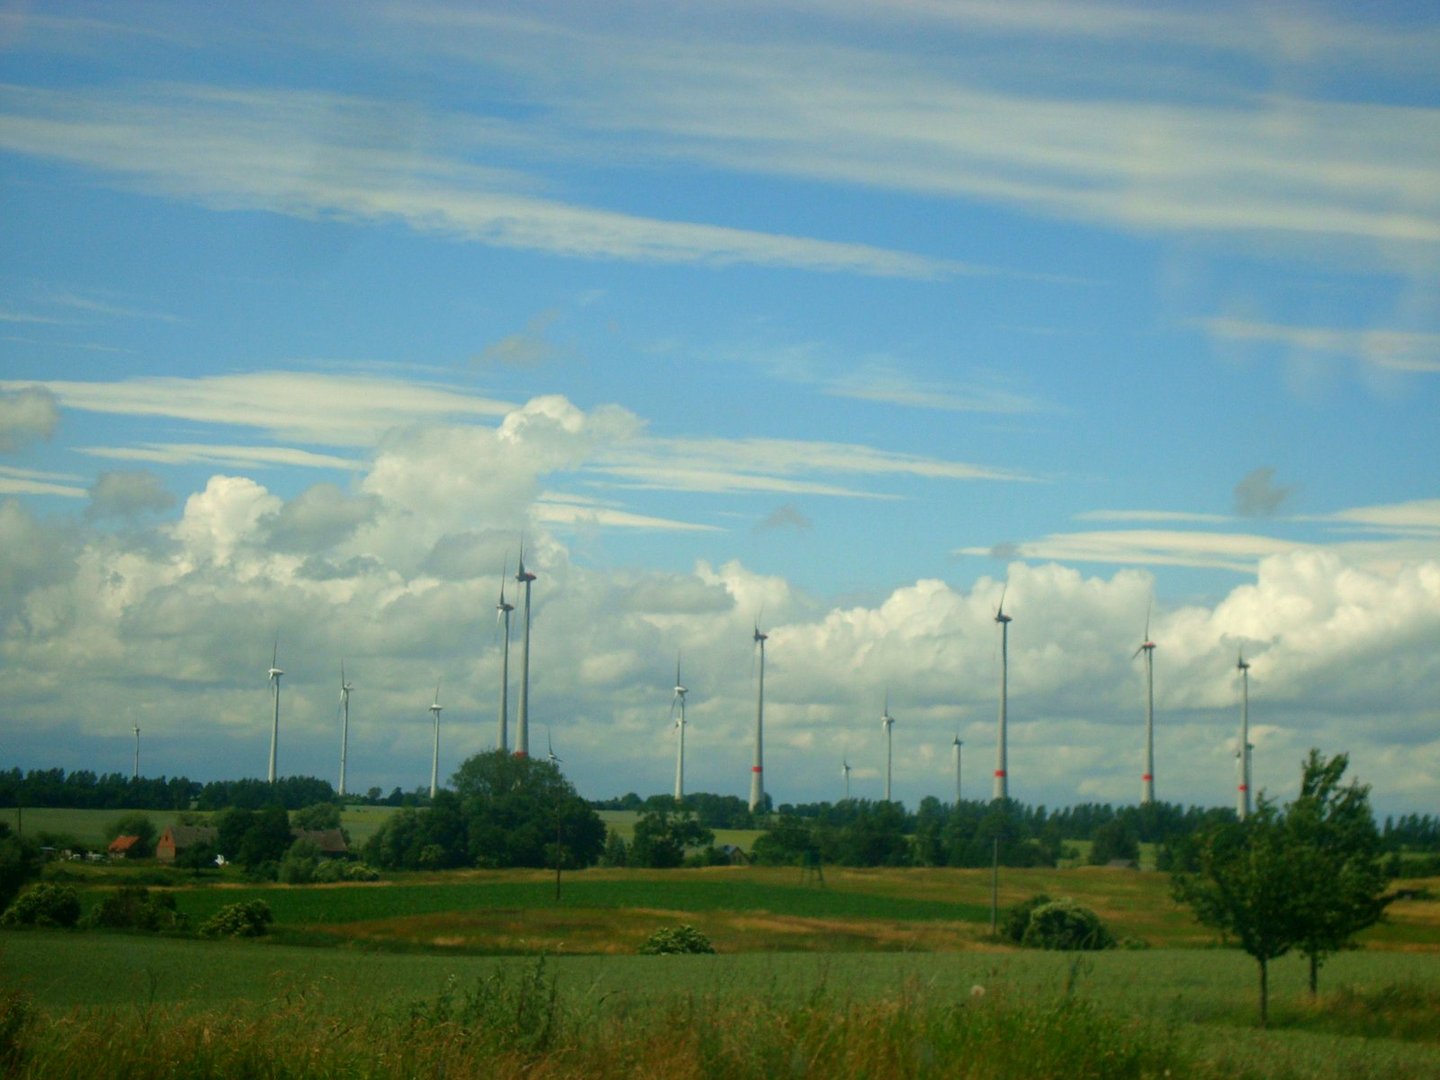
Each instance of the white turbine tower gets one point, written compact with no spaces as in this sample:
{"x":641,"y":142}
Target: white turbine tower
{"x":1147,"y":779}
{"x":275,"y":674}
{"x":757,"y":768}
{"x":136,"y":774}
{"x":435,"y":708}
{"x":522,"y":723}
{"x":887,"y":722}
{"x":845,"y":772}
{"x":1242,"y":754}
{"x":345,"y":688}
{"x":1002,"y":779}
{"x":955,"y":753}
{"x":502,"y":615}
{"x":677,"y":714}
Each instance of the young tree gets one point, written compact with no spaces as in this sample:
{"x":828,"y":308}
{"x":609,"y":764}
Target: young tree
{"x":1342,"y":876}
{"x":1246,"y":888}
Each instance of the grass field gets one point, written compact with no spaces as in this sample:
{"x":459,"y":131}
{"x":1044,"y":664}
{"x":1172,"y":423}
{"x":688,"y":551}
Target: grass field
{"x":888,"y":958}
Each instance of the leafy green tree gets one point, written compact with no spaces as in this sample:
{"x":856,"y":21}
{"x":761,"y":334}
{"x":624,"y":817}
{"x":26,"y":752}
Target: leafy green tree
{"x":617,"y":852}
{"x":503,"y":811}
{"x":784,"y":843}
{"x":323,"y":815}
{"x":1342,"y":876}
{"x":19,"y":862}
{"x":662,"y":835}
{"x":1246,"y":887}
{"x":1114,"y":841}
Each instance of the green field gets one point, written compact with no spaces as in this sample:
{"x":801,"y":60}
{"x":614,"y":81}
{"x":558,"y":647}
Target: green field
{"x":88,"y":826}
{"x":889,"y":959}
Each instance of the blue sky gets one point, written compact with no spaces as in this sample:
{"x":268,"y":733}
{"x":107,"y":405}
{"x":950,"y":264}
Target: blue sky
{"x":831,"y":315}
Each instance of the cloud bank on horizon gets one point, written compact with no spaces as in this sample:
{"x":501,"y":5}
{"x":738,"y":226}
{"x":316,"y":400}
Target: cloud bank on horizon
{"x":834,"y":317}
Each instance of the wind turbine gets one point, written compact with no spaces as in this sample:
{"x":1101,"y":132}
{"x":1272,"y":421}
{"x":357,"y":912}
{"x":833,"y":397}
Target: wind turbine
{"x":887,"y":722}
{"x":1002,"y":781}
{"x":502,"y":615}
{"x":1242,"y":754}
{"x":757,"y":769}
{"x":845,"y":772}
{"x":435,"y":754}
{"x":136,"y":774}
{"x":1147,"y":781}
{"x":275,"y":674}
{"x":522,"y":724}
{"x":345,"y":689}
{"x":550,"y":750}
{"x":679,"y":701}
{"x":955,"y":752}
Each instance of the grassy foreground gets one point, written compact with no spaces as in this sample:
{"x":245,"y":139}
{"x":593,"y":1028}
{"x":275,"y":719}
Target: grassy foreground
{"x":883,"y":973}
{"x":120,"y":1006}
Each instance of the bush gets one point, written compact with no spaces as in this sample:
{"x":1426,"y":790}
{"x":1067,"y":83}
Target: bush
{"x":136,"y":908}
{"x":44,"y":905}
{"x":252,"y":918}
{"x":1017,"y":918}
{"x":670,"y":940}
{"x":329,"y":871}
{"x":1064,"y":924}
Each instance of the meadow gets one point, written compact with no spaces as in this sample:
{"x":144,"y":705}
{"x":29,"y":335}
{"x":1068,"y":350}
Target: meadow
{"x":880,"y":973}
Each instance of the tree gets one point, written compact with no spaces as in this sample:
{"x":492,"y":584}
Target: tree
{"x":1342,"y":876}
{"x":662,"y":834}
{"x":19,"y":862}
{"x":1246,"y":887}
{"x":1114,"y":841}
{"x":504,"y":810}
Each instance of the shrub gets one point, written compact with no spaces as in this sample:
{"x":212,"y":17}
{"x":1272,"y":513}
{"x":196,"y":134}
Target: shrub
{"x":44,"y":905}
{"x":676,"y":939}
{"x":136,"y":908}
{"x":1017,"y":918}
{"x":1064,"y":924}
{"x":250,"y":918}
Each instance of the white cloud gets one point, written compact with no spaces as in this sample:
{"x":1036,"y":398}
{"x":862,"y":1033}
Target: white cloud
{"x":308,"y":153}
{"x":1399,"y":350}
{"x":17,"y":481}
{"x":330,"y":410}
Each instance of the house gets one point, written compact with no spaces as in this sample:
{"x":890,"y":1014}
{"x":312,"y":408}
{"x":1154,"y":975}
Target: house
{"x":124,"y":846}
{"x":176,"y":838}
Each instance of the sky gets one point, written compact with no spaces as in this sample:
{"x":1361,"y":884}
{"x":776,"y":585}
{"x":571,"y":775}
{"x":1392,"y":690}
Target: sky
{"x":834,"y":318}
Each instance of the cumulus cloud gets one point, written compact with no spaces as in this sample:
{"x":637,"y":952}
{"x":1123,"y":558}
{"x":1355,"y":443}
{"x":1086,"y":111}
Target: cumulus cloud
{"x":127,"y":494}
{"x":26,"y":414}
{"x":318,"y":518}
{"x":400,"y":579}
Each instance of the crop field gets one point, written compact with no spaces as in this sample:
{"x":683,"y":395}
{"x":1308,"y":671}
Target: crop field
{"x":492,"y":975}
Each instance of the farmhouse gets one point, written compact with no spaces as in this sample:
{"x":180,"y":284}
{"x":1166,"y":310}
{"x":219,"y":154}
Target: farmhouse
{"x":123,"y":847}
{"x":176,"y":838}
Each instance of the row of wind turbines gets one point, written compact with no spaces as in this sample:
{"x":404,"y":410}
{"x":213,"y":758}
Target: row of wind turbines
{"x":503,"y":610}
{"x":1000,"y":788}
{"x":1001,"y":785}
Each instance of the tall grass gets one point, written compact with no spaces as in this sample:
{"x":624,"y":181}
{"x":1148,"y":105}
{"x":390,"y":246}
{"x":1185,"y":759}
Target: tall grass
{"x":513,"y":1024}
{"x":519,"y":1021}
